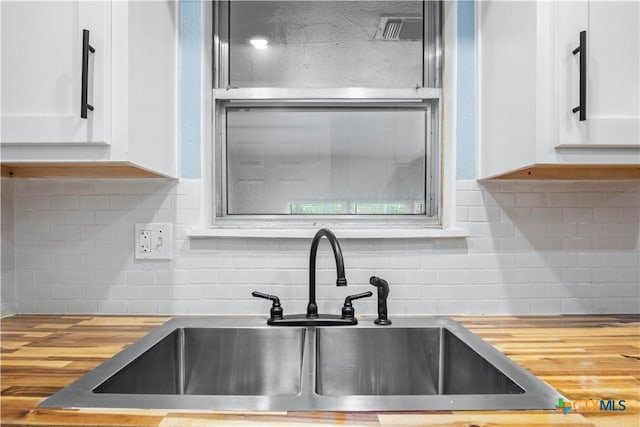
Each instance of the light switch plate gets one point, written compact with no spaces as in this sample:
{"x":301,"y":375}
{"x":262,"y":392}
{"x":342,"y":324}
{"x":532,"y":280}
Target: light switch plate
{"x":153,"y":241}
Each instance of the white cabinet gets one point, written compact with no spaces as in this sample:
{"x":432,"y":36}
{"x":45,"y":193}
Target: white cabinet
{"x":131,"y":83}
{"x":42,"y":71}
{"x":529,"y":83}
{"x":612,"y":66}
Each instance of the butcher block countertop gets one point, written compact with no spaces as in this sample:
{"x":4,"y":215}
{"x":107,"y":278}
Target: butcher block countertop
{"x":583,"y":357}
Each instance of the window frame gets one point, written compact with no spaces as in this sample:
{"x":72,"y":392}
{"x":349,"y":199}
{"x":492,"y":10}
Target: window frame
{"x":223,"y":95}
{"x":431,"y":167}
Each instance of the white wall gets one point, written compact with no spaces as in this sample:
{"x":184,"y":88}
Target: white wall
{"x":535,"y":247}
{"x":7,"y":251}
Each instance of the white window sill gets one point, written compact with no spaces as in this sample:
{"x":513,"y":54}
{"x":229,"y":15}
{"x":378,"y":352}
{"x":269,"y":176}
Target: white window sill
{"x":342,"y":233}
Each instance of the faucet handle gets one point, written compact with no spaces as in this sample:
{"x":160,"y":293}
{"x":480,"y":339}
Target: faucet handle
{"x":348,"y":312}
{"x":276,"y":311}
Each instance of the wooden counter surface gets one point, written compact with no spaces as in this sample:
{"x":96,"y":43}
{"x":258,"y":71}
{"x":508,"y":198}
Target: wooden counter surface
{"x":583,"y":357}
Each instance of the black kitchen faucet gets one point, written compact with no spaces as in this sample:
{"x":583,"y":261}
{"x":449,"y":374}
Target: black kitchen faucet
{"x":312,"y":318}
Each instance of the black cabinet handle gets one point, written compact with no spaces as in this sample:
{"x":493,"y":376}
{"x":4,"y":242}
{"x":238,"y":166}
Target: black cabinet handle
{"x":86,"y":48}
{"x":582,"y":49}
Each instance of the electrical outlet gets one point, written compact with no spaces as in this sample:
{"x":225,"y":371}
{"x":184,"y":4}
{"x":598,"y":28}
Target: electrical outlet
{"x":144,"y":241}
{"x":153,"y":241}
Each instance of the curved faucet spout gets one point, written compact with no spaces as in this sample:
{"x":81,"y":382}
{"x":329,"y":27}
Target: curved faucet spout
{"x":312,"y":307}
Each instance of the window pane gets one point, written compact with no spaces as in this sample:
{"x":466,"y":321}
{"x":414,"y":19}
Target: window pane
{"x":327,"y":161}
{"x":317,"y":44}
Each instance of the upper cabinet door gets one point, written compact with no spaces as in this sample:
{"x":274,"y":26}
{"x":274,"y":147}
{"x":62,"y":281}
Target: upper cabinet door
{"x":42,"y":78}
{"x":612,"y":88}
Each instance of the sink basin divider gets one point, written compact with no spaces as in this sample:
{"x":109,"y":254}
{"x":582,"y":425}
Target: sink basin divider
{"x":441,"y":361}
{"x":181,"y":368}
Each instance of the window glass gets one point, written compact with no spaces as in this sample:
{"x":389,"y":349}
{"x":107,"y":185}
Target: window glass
{"x":327,"y":161}
{"x":320,"y":44}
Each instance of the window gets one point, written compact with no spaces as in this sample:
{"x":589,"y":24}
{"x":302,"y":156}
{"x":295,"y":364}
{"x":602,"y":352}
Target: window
{"x":327,"y":111}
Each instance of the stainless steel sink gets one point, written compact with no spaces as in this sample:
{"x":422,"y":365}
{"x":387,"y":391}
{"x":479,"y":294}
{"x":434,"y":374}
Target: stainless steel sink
{"x":209,"y":363}
{"x":215,"y":361}
{"x":403,"y":361}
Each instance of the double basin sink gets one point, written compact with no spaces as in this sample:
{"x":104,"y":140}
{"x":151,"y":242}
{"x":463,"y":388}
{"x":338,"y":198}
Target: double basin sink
{"x":205,"y":363}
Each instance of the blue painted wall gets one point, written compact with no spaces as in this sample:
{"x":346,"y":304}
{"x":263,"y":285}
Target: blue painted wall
{"x":190,"y":29}
{"x":465,"y":103}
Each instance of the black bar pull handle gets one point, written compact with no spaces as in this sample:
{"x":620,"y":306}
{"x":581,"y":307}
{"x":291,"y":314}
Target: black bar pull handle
{"x":582,"y":49}
{"x":86,"y":48}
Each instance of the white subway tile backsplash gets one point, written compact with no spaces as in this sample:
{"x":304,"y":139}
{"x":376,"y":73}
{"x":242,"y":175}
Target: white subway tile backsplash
{"x":109,"y":187}
{"x":476,"y":291}
{"x":623,"y":230}
{"x":491,"y":229}
{"x":592,"y":229}
{"x":188,"y":292}
{"x":484,"y":214}
{"x":110,"y":217}
{"x":631,"y":215}
{"x":629,"y":199}
{"x":82,"y":306}
{"x":538,"y":199}
{"x":157,"y":293}
{"x":590,"y":200}
{"x":140,"y":278}
{"x":576,"y":244}
{"x":452,"y":277}
{"x":31,"y":262}
{"x":576,"y":305}
{"x":80,"y":217}
{"x":125,"y":292}
{"x":66,"y":292}
{"x":50,"y":306}
{"x":571,"y":215}
{"x":436,"y":292}
{"x":608,"y":214}
{"x":49,"y":277}
{"x":64,"y":202}
{"x":82,"y":277}
{"x":579,"y":186}
{"x":462,"y":213}
{"x":545,"y":306}
{"x":39,"y":187}
{"x":124,"y":202}
{"x":49,"y":217}
{"x":535,"y":247}
{"x":515,"y":244}
{"x":503,"y":200}
{"x":630,"y":275}
{"x":142,"y":307}
{"x":630,"y":305}
{"x":563,"y":200}
{"x":175,"y":277}
{"x":469,"y":198}
{"x":202,"y":276}
{"x":74,"y":186}
{"x":32,"y":202}
{"x":108,"y":306}
{"x":420,"y":277}
{"x":94,"y":202}
{"x":34,"y":292}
